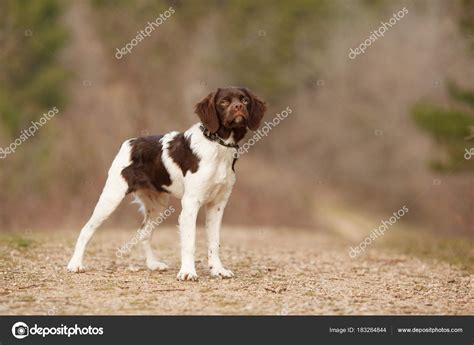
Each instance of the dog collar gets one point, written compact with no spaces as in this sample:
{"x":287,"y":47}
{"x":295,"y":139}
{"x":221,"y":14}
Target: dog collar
{"x":215,"y":138}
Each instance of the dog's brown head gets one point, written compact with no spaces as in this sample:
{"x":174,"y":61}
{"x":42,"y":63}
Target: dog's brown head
{"x":231,"y":107}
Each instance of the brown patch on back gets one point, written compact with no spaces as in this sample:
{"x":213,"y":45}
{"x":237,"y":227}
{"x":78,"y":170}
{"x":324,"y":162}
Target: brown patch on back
{"x":180,"y":151}
{"x":147,"y":170}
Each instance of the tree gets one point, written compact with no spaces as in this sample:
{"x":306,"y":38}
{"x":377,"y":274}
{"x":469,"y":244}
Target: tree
{"x":31,"y":80}
{"x":453,"y":128}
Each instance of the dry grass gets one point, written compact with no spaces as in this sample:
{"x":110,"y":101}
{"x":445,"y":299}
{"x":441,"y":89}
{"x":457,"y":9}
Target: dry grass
{"x":278,"y":271}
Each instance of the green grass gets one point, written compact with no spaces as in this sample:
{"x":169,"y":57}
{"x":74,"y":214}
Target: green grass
{"x":458,"y":251}
{"x":16,"y":241}
{"x":403,"y":237}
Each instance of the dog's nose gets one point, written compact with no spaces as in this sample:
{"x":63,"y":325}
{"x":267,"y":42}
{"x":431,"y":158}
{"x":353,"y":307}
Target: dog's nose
{"x":237,"y":106}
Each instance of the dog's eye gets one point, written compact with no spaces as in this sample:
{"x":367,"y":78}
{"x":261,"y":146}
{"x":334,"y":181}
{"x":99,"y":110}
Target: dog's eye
{"x":224,"y":102}
{"x":245,"y":101}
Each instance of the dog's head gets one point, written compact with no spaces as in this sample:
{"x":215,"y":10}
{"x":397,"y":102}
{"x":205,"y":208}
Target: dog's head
{"x":231,"y":107}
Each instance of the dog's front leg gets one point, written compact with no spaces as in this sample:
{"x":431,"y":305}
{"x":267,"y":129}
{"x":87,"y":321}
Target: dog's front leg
{"x":214,"y":213}
{"x":187,"y":230}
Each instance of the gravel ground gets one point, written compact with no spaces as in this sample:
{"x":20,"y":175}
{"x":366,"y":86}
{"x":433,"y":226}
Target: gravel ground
{"x":277,"y":271}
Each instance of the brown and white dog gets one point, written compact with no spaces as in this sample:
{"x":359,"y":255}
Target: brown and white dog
{"x":196,"y":166}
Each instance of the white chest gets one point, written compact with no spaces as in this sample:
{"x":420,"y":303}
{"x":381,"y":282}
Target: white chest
{"x":220,"y":180}
{"x":214,"y":177}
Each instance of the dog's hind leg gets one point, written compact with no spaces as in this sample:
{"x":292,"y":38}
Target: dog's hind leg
{"x":154,"y":209}
{"x":114,"y":191}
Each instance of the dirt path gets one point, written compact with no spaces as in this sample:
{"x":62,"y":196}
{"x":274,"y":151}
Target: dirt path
{"x":277,"y":272}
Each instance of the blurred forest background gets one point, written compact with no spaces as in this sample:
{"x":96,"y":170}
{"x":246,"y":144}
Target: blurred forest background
{"x":366,"y":136}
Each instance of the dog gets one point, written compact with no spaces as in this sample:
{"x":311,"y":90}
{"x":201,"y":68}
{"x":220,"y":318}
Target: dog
{"x":196,"y":166}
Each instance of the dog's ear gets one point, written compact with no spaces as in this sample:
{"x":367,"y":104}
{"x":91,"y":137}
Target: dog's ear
{"x":206,"y":110}
{"x":256,"y":112}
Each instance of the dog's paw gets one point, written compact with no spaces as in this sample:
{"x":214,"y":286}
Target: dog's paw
{"x":186,"y":274}
{"x":156,"y":265}
{"x":221,"y":272}
{"x":75,"y":267}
